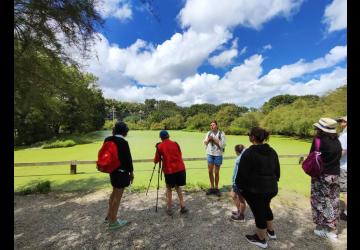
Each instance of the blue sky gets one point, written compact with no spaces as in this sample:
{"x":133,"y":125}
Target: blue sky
{"x":238,"y":51}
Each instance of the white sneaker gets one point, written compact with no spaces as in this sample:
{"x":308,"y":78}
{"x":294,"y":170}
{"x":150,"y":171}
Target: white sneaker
{"x":325,"y":234}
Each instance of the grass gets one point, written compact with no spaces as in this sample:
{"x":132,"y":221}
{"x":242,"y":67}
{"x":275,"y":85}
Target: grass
{"x":142,"y":145}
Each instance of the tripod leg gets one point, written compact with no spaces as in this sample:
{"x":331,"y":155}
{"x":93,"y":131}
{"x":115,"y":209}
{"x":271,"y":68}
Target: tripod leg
{"x":157,"y":192}
{"x":151,"y":179}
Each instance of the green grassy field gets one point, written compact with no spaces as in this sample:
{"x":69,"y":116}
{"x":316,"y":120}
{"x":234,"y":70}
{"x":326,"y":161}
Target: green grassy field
{"x":142,"y":145}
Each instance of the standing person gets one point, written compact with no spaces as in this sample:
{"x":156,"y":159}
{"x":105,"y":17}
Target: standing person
{"x":215,"y":144}
{"x":343,"y":163}
{"x":122,"y":176}
{"x":239,"y":201}
{"x":257,"y":179}
{"x":173,"y":166}
{"x":325,"y":189}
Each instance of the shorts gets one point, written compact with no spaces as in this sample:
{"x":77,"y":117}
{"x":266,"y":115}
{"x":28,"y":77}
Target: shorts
{"x":343,"y":180}
{"x":120,"y":179}
{"x":176,"y":179}
{"x":212,"y":159}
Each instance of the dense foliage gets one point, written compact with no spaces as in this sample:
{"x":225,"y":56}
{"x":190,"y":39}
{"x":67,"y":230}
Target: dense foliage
{"x":283,"y":114}
{"x":51,"y":94}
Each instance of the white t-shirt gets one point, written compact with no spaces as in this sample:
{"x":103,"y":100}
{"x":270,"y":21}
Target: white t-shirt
{"x":211,"y":148}
{"x":343,"y":141}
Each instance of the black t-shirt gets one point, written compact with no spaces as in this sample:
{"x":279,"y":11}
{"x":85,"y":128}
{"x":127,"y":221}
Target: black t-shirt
{"x":330,"y":154}
{"x":124,"y":152}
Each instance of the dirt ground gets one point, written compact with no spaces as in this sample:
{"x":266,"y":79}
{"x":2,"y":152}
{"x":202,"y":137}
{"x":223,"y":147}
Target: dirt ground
{"x":76,"y":221}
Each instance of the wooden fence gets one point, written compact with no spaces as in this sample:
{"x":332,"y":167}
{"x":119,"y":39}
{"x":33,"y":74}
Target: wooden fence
{"x":73,"y":164}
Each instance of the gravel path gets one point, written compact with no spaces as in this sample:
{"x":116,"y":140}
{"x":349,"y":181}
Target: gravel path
{"x":76,"y":221}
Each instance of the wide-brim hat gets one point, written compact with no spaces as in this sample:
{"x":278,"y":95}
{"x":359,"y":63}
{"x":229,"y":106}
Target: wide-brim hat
{"x":327,"y":125}
{"x":343,"y":118}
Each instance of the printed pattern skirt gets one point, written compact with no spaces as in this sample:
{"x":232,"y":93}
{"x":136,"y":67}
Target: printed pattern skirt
{"x":325,"y":200}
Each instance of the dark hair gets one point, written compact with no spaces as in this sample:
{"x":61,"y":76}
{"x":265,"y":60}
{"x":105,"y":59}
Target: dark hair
{"x":259,"y":134}
{"x":120,"y":128}
{"x":320,"y":133}
{"x":214,"y":121}
{"x":239,"y":148}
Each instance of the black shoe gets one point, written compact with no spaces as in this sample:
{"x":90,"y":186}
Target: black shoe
{"x":210,"y":191}
{"x":343,"y":217}
{"x":217,"y":192}
{"x":239,"y":217}
{"x":184,"y":210}
{"x":254,"y":239}
{"x":271,"y":234}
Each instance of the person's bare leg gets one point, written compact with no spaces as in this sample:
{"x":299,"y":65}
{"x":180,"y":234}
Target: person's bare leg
{"x":211,"y":174}
{"x":242,"y":204}
{"x":269,"y":225}
{"x":181,"y":197}
{"x":110,"y":202}
{"x":117,"y":194}
{"x":261,"y":233}
{"x":236,"y":201}
{"x":168,"y":197}
{"x":217,"y":170}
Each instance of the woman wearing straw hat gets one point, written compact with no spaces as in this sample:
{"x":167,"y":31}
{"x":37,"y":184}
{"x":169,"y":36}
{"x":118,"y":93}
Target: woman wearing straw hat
{"x":325,"y":189}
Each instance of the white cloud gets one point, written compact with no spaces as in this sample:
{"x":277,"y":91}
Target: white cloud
{"x":335,"y":16}
{"x":226,"y":57}
{"x":243,"y":51}
{"x":204,"y":15}
{"x":267,"y":47}
{"x":119,"y":9}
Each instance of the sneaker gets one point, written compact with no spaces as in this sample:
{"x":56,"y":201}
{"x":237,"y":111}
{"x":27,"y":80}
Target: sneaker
{"x":254,"y":239}
{"x":217,"y":192}
{"x":235,"y":212}
{"x":210,"y":191}
{"x":239,"y":217}
{"x":325,"y":234}
{"x":271,"y":234}
{"x":184,"y":210}
{"x":169,"y":211}
{"x":117,"y":224}
{"x":343,"y":216}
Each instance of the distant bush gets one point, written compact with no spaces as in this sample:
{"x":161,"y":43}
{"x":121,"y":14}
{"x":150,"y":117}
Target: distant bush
{"x":59,"y":144}
{"x":108,"y":125}
{"x":43,"y":187}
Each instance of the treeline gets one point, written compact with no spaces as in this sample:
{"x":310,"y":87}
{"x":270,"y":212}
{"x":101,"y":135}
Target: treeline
{"x":283,"y":114}
{"x":51,"y":94}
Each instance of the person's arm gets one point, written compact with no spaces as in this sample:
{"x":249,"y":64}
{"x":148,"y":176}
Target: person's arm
{"x":207,"y":139}
{"x":129,"y":162}
{"x":277,"y":166}
{"x":243,"y":169}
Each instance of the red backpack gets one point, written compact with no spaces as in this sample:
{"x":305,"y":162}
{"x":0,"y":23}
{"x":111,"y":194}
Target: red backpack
{"x":108,"y":158}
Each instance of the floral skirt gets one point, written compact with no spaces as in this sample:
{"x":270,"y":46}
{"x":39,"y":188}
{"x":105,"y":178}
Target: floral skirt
{"x":325,"y":200}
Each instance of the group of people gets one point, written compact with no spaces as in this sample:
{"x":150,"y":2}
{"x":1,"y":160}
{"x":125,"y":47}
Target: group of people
{"x":255,"y":176}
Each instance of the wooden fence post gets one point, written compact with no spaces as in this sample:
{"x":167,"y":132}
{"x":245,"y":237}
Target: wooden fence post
{"x":73,"y":167}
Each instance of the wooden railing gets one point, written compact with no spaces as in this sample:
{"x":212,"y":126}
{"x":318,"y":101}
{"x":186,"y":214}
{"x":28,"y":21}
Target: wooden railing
{"x":73,"y":164}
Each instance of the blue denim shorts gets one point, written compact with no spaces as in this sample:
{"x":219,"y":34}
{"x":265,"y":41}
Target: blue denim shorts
{"x":217,"y":160}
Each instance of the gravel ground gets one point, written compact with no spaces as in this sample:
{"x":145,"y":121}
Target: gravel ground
{"x":76,"y":221}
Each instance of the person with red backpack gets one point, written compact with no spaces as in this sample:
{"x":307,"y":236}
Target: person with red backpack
{"x":173,"y":166}
{"x":122,"y":176}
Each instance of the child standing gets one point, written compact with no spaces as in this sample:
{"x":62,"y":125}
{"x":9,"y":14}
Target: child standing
{"x":239,"y":201}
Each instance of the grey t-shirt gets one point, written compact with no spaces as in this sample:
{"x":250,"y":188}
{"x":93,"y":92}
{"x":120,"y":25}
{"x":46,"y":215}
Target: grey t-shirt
{"x":212,"y":148}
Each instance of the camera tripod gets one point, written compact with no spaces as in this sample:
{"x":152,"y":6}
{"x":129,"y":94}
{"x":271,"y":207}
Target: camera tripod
{"x":158,"y":183}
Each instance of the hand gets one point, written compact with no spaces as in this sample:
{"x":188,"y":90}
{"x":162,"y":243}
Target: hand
{"x":131,"y":177}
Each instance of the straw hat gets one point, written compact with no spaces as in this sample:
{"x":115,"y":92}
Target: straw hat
{"x":327,"y":125}
{"x":344,"y":118}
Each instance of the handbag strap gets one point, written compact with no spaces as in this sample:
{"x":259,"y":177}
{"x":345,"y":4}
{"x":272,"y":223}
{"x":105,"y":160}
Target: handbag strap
{"x":317,"y":144}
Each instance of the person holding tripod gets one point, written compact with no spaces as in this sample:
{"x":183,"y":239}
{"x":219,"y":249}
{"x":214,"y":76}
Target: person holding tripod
{"x":173,"y":166}
{"x":215,"y":143}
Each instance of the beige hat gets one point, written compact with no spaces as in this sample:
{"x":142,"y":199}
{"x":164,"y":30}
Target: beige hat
{"x":327,"y":125}
{"x":344,"y":118}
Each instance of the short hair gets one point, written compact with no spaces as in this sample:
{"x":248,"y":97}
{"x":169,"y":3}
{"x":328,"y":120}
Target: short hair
{"x":164,"y":134}
{"x":259,"y":134}
{"x":214,"y":121}
{"x":120,"y":128}
{"x":239,"y":148}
